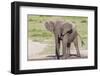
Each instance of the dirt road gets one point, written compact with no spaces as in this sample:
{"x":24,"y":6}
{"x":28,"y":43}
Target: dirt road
{"x":35,"y":49}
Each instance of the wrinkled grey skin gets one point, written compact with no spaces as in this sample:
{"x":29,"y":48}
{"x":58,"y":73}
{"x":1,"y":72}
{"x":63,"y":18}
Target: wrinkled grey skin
{"x":66,"y":33}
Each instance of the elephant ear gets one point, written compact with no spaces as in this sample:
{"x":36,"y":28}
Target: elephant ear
{"x":49,"y":26}
{"x":67,"y":27}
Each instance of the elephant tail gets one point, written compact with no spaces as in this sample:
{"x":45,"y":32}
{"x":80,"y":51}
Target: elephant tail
{"x":82,"y":42}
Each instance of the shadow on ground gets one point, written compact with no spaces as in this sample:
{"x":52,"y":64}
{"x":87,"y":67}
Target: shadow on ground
{"x":53,"y":57}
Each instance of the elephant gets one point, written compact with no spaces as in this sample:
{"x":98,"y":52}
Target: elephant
{"x":66,"y":33}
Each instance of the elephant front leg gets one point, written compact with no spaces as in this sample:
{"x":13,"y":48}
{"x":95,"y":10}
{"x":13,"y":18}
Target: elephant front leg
{"x":57,"y":48}
{"x":66,"y":52}
{"x":68,"y":49}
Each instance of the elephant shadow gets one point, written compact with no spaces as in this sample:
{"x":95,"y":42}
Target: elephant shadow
{"x":72,"y":56}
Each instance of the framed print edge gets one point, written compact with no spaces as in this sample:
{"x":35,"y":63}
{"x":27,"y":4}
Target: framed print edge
{"x":96,"y":38}
{"x":15,"y":38}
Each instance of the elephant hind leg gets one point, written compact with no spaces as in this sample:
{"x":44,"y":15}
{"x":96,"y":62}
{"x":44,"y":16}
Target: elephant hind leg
{"x":76,"y":46}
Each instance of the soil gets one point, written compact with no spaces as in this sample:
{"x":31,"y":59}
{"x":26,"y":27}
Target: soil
{"x":35,"y":49}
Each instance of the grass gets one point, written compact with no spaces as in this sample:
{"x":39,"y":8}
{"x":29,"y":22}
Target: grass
{"x":37,"y":31}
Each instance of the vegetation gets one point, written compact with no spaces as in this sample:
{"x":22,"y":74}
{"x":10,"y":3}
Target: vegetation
{"x":37,"y":31}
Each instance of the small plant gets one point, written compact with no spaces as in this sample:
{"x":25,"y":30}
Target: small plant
{"x":83,"y":21}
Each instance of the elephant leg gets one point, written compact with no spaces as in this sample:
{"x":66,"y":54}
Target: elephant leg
{"x":68,"y":49}
{"x":65,"y":51}
{"x":76,"y":46}
{"x":57,"y":48}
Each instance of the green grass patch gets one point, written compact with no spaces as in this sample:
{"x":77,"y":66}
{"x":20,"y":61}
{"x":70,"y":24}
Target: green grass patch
{"x":37,"y":31}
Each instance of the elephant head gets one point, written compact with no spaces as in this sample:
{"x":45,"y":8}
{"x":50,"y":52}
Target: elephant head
{"x":59,"y":27}
{"x":49,"y":25}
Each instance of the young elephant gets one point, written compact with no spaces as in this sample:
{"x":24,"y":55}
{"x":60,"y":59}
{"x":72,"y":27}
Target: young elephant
{"x":65,"y":32}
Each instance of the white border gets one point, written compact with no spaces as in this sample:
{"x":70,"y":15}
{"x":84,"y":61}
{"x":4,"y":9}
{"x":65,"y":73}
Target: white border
{"x":26,"y":65}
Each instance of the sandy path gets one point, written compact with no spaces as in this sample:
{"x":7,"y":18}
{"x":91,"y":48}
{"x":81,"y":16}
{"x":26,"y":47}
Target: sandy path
{"x":34,"y":48}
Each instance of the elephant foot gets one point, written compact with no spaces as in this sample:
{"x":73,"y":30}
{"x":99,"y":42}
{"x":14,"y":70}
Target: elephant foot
{"x":78,"y":55}
{"x":63,"y":57}
{"x":57,"y":58}
{"x":66,"y":57}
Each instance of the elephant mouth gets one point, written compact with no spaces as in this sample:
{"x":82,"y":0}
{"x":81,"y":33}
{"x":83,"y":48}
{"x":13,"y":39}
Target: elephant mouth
{"x":62,"y":35}
{"x":60,"y":38}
